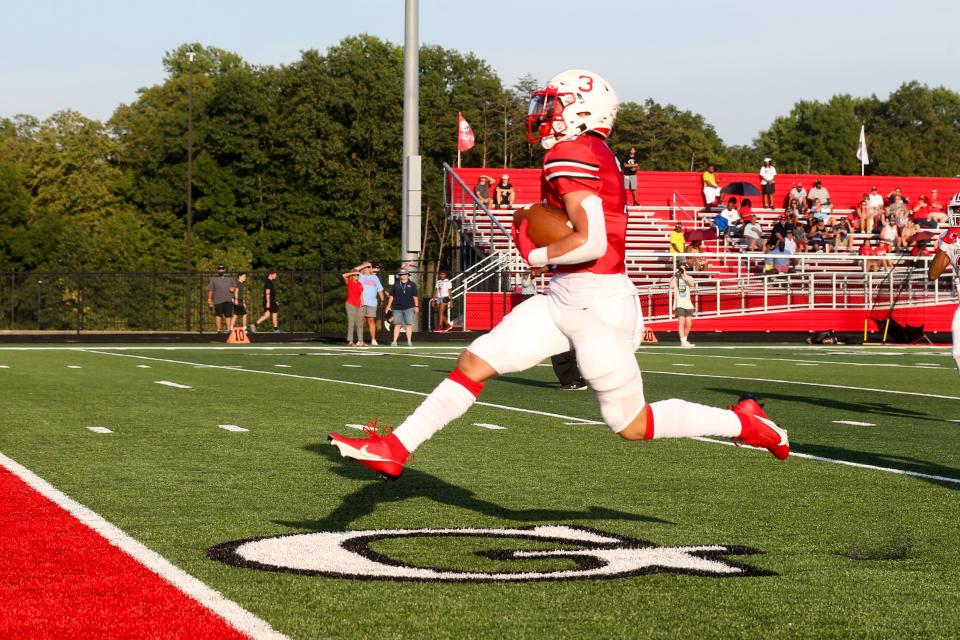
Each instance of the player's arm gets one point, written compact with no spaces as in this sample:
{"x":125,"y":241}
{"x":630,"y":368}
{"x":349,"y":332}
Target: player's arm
{"x":938,"y":265}
{"x":589,"y":238}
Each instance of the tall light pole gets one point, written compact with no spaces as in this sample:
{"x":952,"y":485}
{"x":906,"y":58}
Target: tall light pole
{"x":411,"y":221}
{"x":189,"y":240}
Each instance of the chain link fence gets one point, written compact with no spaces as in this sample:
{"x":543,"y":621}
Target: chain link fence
{"x":173,"y":302}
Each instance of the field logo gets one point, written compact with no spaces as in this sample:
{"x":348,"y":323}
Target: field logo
{"x":598,"y":555}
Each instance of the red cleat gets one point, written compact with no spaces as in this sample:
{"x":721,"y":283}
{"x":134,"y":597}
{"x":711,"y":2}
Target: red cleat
{"x":384,"y":454}
{"x":760,"y":431}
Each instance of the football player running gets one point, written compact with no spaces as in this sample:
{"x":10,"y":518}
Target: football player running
{"x":592,"y":306}
{"x":948,"y":252}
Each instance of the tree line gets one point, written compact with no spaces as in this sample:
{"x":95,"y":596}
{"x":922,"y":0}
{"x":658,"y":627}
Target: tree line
{"x":299,"y":165}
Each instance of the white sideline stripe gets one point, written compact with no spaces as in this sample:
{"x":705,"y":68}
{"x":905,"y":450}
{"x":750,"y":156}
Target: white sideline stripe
{"x":175,"y":385}
{"x":805,"y":384}
{"x":99,"y":429}
{"x":364,"y":385}
{"x":890,"y":365}
{"x":283,"y":366}
{"x":580,"y":424}
{"x":233,"y":427}
{"x":584,"y":420}
{"x":237,"y":616}
{"x":420,"y":365}
{"x":487,"y":425}
{"x":855,"y":423}
{"x":806,"y":364}
{"x":353,"y":366}
{"x":681,"y":364}
{"x":847,"y":463}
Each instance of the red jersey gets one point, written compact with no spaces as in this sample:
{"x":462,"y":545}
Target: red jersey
{"x":354,"y":293}
{"x":586,"y":163}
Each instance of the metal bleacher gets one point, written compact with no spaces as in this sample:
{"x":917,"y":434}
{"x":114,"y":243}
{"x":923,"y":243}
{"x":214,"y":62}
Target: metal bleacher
{"x":826,"y":278}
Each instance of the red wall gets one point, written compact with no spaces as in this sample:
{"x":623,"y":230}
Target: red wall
{"x":657,"y":187}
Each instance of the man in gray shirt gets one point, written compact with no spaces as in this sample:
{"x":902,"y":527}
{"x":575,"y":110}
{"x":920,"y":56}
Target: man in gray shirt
{"x":220,"y":298}
{"x":819,"y":193}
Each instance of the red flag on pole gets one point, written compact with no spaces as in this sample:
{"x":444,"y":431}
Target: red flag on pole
{"x":465,"y":139}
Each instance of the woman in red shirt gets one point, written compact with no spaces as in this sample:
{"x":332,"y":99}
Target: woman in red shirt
{"x":354,"y":307}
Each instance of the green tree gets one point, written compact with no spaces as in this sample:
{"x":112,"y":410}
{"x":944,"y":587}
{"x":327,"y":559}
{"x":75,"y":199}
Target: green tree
{"x":666,"y":138}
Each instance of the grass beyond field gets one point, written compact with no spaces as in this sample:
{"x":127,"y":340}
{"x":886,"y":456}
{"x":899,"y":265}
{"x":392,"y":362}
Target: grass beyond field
{"x":849,"y":551}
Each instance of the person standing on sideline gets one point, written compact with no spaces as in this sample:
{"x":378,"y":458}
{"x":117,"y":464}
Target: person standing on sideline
{"x":354,"y":307}
{"x":239,"y":301}
{"x":220,"y":298}
{"x":630,"y":168}
{"x":371,"y":298}
{"x":591,"y":305}
{"x":270,"y":305}
{"x":405,"y":304}
{"x":441,"y":296}
{"x":681,"y":286}
{"x":768,"y":177}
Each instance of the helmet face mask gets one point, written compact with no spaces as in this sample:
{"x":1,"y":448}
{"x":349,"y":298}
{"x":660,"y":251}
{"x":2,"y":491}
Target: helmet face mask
{"x":573,"y":102}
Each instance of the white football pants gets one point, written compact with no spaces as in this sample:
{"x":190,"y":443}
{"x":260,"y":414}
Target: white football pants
{"x":605,"y":337}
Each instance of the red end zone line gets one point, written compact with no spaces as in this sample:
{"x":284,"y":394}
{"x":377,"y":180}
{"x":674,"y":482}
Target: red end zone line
{"x":65,"y":572}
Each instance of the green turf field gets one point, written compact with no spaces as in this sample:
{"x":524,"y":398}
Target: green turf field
{"x":855,"y":551}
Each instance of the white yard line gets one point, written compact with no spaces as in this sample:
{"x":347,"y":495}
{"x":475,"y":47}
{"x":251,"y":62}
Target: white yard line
{"x":487,"y":425}
{"x":177,"y":385}
{"x":855,"y":423}
{"x":233,"y":427}
{"x":847,"y":463}
{"x":584,"y":420}
{"x":229,"y":610}
{"x":99,"y":429}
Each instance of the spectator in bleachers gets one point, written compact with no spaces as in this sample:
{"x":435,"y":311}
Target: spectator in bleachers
{"x":889,"y":235}
{"x":678,"y":242}
{"x":630,"y":167}
{"x":775,"y":263}
{"x":768,"y":176}
{"x":935,"y":213}
{"x":790,"y":242}
{"x":866,"y":250}
{"x":920,"y":211}
{"x":779,"y":231}
{"x":882,"y":251}
{"x":746,"y":210}
{"x":874,"y":200}
{"x":800,"y":235}
{"x":483,"y":191}
{"x":864,"y":214}
{"x":842,"y":238}
{"x":752,"y":239}
{"x":819,"y":192}
{"x":819,"y":211}
{"x":726,"y":221}
{"x":711,"y":186}
{"x":898,"y":212}
{"x":699,"y":262}
{"x":907,"y":233}
{"x":799,"y":194}
{"x":796,"y":207}
{"x":898,"y":192}
{"x":505,"y":193}
{"x":820,"y":237}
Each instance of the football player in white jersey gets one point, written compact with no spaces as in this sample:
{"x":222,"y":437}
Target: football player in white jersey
{"x":948,"y":253}
{"x":591,"y":305}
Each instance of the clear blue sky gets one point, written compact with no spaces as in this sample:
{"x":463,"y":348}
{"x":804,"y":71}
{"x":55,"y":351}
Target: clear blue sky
{"x":737,"y":65}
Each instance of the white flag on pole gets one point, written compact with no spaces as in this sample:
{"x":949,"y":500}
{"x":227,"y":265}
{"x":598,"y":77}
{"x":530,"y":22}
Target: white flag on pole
{"x":862,"y":154}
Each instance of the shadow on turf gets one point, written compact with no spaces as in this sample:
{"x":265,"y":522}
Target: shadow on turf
{"x":418,"y":484}
{"x":877,"y":408}
{"x":890,"y":461}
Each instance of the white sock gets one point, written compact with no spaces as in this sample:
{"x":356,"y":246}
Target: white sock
{"x":681,"y":419}
{"x":446,"y":403}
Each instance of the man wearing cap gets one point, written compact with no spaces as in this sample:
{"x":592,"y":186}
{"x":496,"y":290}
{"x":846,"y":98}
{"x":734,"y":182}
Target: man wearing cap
{"x":505,"y":193}
{"x":768,"y":175}
{"x":220,"y":298}
{"x":819,"y":193}
{"x":798,"y":193}
{"x":483,"y":191}
{"x":678,"y":243}
{"x":404,"y":302}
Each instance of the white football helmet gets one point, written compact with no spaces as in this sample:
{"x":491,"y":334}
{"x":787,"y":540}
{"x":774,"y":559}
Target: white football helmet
{"x":954,"y":202}
{"x":573,"y":102}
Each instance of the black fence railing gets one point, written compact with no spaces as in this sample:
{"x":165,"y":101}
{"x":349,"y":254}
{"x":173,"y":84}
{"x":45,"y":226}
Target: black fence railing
{"x":309,"y":301}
